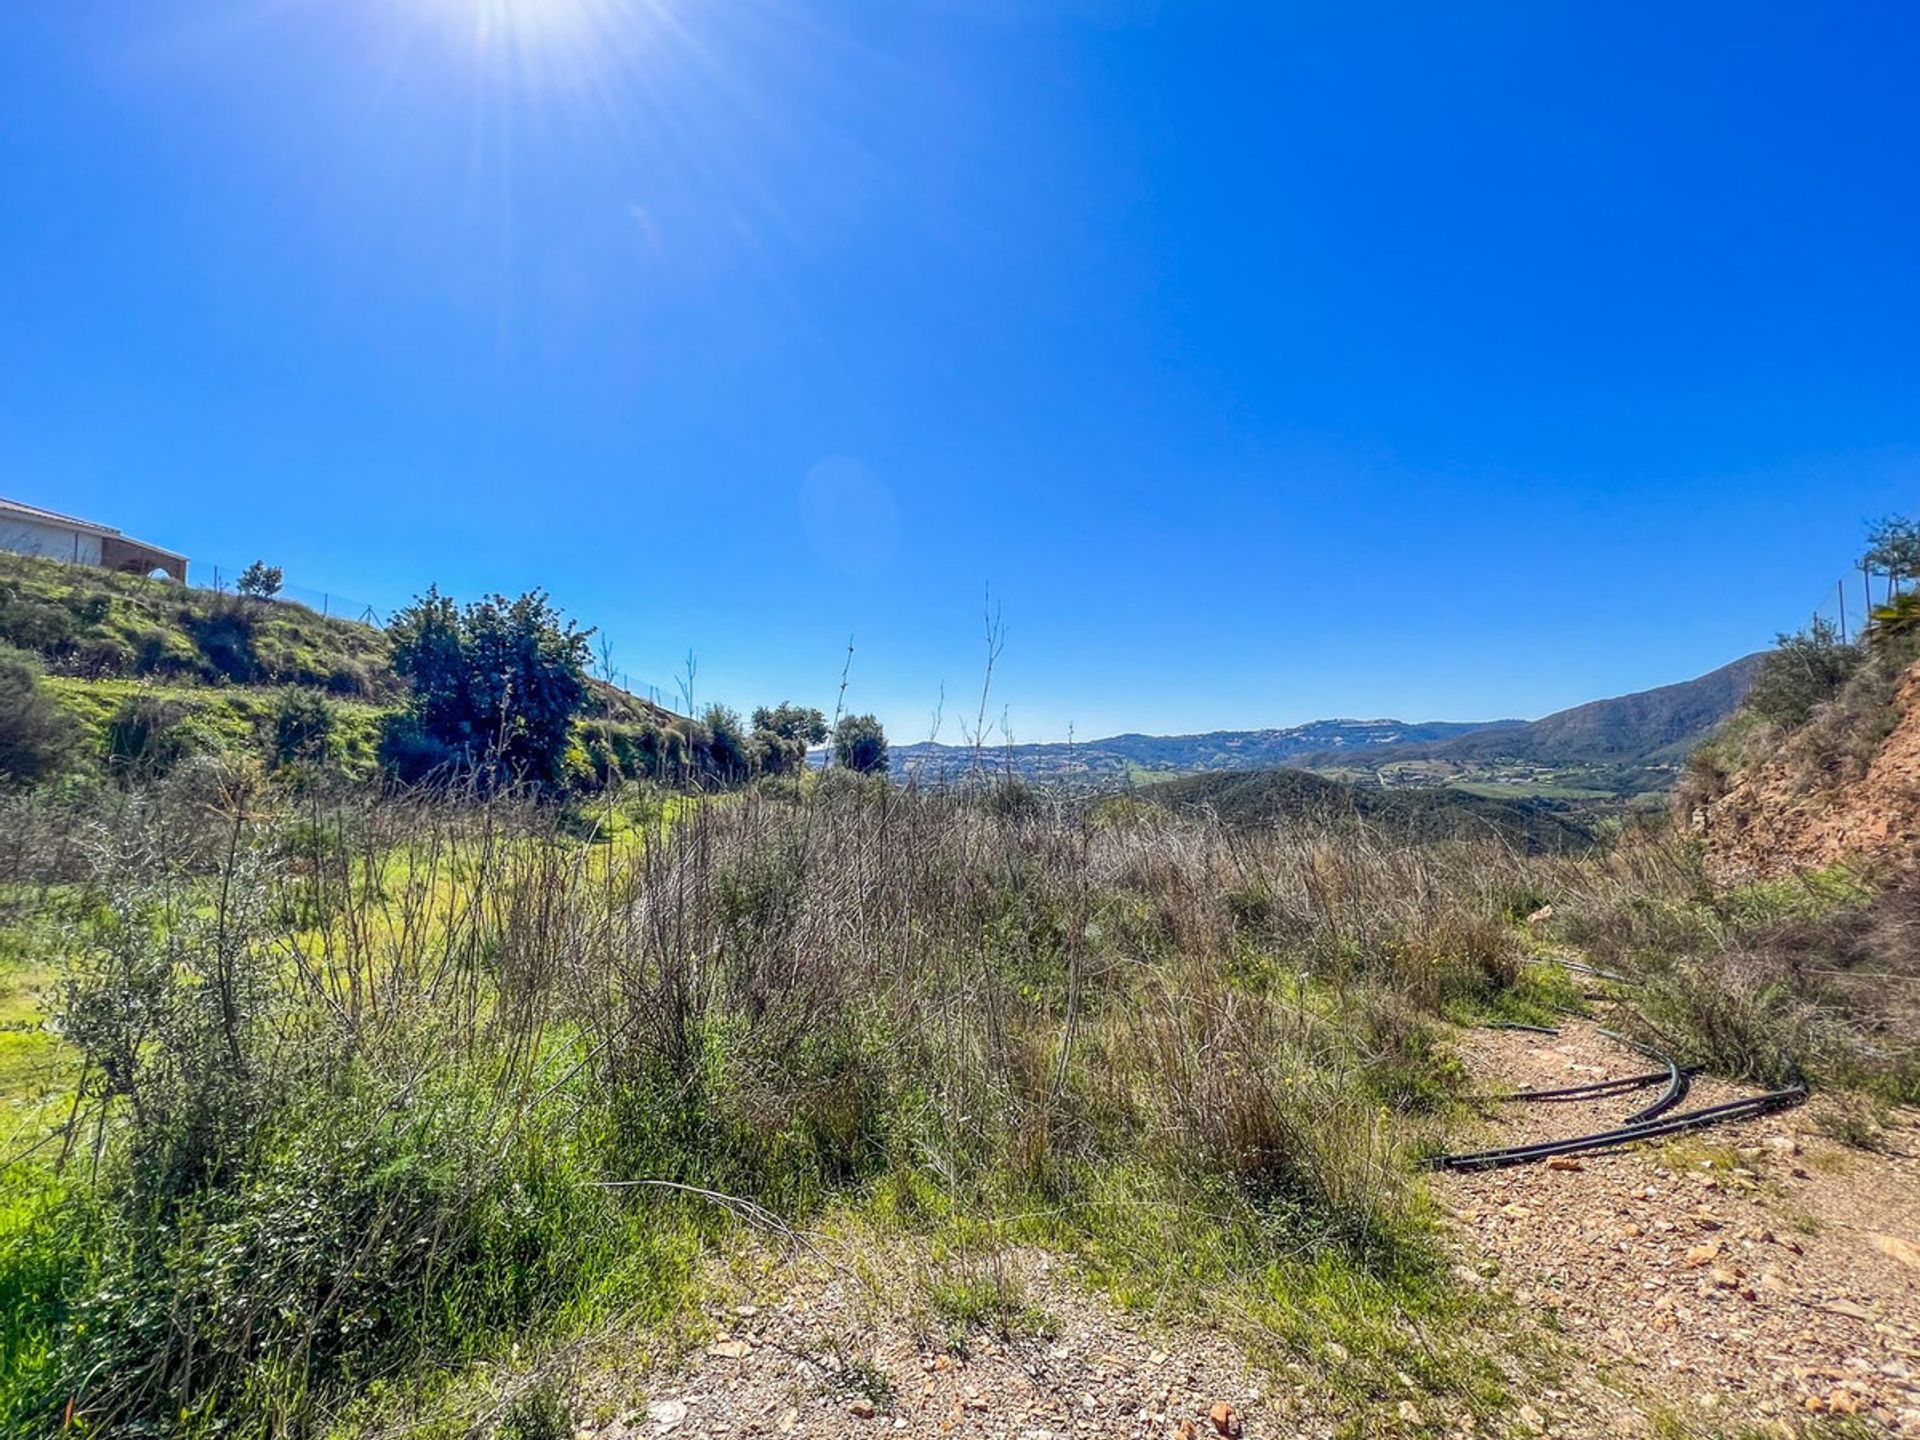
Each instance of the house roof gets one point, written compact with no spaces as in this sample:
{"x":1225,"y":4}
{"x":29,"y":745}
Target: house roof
{"x":85,"y":527}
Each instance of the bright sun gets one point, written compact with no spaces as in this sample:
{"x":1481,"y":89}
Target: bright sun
{"x":548,"y":31}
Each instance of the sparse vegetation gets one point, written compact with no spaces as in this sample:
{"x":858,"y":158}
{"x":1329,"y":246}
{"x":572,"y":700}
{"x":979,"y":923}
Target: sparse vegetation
{"x":1801,"y":673}
{"x":362,"y":1077}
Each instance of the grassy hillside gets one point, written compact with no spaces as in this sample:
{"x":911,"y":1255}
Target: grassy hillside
{"x":1266,"y":797}
{"x":216,"y":671}
{"x":92,"y":624}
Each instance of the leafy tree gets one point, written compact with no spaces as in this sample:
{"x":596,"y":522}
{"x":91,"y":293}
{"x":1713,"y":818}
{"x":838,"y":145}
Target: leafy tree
{"x":260,"y":581}
{"x":496,"y":686}
{"x":733,"y":753}
{"x":36,"y":735}
{"x":1893,"y":547}
{"x":861,"y":745}
{"x":792,"y":722}
{"x":783,"y":733}
{"x":1800,"y":672}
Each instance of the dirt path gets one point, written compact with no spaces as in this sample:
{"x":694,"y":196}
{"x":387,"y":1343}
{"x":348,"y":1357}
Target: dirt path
{"x":819,"y":1354}
{"x":1752,"y":1271}
{"x":1751,"y":1275}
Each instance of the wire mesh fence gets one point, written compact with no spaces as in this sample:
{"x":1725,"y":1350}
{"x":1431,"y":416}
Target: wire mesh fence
{"x":1847,"y":606}
{"x":224,"y":579}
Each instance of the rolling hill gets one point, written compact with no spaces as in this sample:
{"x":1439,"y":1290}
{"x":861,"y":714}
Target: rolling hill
{"x":1620,"y":746}
{"x":1627,"y":744}
{"x":1122,"y":758}
{"x":1257,"y":797}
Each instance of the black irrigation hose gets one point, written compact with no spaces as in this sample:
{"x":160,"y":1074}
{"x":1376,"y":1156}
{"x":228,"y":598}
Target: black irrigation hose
{"x":1626,"y":1134}
{"x":1676,"y":1079}
{"x":1580,"y":968}
{"x":1593,"y":1090}
{"x":1516,"y":1025}
{"x":1643,"y":1124}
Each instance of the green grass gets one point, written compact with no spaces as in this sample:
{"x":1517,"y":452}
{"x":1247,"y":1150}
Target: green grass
{"x":101,"y":624}
{"x":239,"y":718}
{"x":35,"y":1070}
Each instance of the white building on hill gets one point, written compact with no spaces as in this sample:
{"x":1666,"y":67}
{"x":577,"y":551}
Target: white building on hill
{"x":26,"y":530}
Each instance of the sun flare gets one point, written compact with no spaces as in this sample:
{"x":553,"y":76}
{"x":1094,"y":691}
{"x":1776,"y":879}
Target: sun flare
{"x":551,"y":34}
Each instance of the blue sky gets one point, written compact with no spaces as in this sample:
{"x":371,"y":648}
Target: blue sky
{"x":1268,"y":362}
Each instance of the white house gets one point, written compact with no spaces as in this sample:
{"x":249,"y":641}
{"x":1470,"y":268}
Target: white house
{"x":26,"y":530}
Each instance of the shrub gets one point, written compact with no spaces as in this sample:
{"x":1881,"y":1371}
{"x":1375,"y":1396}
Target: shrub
{"x":104,"y":655}
{"x":496,"y":685}
{"x":305,"y":729}
{"x":731,"y":752}
{"x":150,"y":734}
{"x":537,"y":1413}
{"x":350,"y":677}
{"x":408,"y":753}
{"x":1800,"y":673}
{"x":861,"y":745}
{"x":37,"y":737}
{"x":224,"y":634}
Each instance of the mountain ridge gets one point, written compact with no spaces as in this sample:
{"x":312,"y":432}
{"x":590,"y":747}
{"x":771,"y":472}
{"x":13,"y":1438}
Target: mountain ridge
{"x":1632,"y":742}
{"x":1128,"y":755}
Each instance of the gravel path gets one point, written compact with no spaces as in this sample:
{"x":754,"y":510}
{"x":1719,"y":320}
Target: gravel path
{"x":823,"y":1355}
{"x":1752,"y":1271}
{"x":1752,"y":1276}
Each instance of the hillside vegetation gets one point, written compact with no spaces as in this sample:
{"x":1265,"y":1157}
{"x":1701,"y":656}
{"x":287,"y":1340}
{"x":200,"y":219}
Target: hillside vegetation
{"x":1268,"y":797}
{"x":92,"y":624}
{"x":149,"y":675}
{"x":1123,"y":758}
{"x":1823,"y":762}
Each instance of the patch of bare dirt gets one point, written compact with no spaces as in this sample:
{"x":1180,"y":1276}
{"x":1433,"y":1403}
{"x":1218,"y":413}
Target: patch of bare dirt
{"x":1771,"y":822}
{"x":807,"y":1349}
{"x":1751,"y":1272}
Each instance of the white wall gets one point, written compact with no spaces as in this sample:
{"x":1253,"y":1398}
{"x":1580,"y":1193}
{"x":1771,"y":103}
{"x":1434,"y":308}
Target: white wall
{"x":29,"y":537}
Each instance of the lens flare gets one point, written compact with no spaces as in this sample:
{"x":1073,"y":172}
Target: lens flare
{"x":552,"y":39}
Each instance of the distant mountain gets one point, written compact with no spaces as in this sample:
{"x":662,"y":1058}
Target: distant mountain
{"x":1260,"y":797}
{"x":1134,"y":757}
{"x":1625,"y":745}
{"x":1649,"y":728}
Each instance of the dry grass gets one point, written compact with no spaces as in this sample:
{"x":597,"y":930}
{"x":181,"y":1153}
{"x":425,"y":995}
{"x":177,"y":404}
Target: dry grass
{"x":369,"y":1079}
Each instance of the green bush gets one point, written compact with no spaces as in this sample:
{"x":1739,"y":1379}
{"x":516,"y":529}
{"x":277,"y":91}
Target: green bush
{"x":37,"y":738}
{"x":408,"y":753}
{"x":538,"y":1413}
{"x":149,"y":735}
{"x":860,"y":745}
{"x":225,"y":635}
{"x":731,"y":751}
{"x":1801,"y":672}
{"x":305,"y":729}
{"x":496,"y":684}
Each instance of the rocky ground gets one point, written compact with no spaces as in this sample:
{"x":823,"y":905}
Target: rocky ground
{"x":1757,"y":1272}
{"x":1747,"y":1279}
{"x":822,"y":1352}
